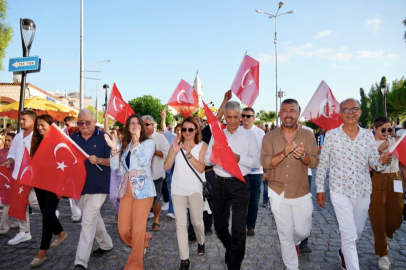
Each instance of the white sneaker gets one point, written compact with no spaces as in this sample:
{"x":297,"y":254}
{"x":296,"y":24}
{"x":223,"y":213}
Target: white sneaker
{"x":165,"y":206}
{"x":151,"y":215}
{"x":384,"y":263}
{"x":57,"y":214}
{"x":170,"y":215}
{"x":76,"y":218}
{"x":20,"y":237}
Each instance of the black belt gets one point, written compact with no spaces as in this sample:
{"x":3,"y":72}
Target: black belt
{"x":225,"y":179}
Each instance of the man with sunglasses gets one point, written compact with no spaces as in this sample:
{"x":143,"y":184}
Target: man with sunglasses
{"x":349,"y":151}
{"x":257,"y":175}
{"x":97,"y":187}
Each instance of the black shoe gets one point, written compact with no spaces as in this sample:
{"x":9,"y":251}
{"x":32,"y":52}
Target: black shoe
{"x":305,"y":249}
{"x":200,"y":250}
{"x":265,"y":204}
{"x":99,"y":252}
{"x":79,"y":267}
{"x":250,"y":231}
{"x":208,"y":232}
{"x":184,"y":264}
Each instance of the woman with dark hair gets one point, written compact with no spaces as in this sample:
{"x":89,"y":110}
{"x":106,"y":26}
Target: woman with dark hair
{"x":186,"y":188}
{"x":137,"y":190}
{"x":48,"y":201}
{"x":386,"y":207}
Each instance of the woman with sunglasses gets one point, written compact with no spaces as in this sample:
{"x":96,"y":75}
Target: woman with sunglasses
{"x":137,"y":190}
{"x":48,"y":201}
{"x":386,"y":208}
{"x":186,"y":188}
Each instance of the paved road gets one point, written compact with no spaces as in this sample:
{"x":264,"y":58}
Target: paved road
{"x":263,"y":250}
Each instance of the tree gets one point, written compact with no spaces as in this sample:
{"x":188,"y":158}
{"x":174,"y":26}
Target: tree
{"x":152,"y":106}
{"x":365,"y":102}
{"x":404,"y":22}
{"x":377,"y":102}
{"x":266,"y":116}
{"x":6,"y":32}
{"x":310,"y":125}
{"x":396,"y":99}
{"x":101,"y":119}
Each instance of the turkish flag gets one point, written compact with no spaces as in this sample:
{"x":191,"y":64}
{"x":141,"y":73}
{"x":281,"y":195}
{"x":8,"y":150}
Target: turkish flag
{"x":117,"y":107}
{"x":6,"y":185}
{"x":221,"y":153}
{"x":399,"y":149}
{"x":19,"y":197}
{"x":59,"y":165}
{"x":323,"y":109}
{"x":185,"y":99}
{"x":246,"y":82}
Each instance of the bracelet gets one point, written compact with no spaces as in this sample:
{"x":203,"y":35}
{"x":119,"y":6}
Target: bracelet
{"x":303,"y":156}
{"x":113,"y":152}
{"x":189,"y":157}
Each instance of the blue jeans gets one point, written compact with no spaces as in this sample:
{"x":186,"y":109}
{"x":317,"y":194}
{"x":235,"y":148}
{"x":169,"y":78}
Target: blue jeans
{"x":265,"y":197}
{"x":255,"y":184}
{"x":169,"y":182}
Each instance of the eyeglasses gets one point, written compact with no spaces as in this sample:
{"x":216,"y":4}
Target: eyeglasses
{"x":188,"y":129}
{"x":84,"y":123}
{"x":384,"y":130}
{"x":147,"y":125}
{"x":246,"y":115}
{"x":169,"y":128}
{"x":350,"y":110}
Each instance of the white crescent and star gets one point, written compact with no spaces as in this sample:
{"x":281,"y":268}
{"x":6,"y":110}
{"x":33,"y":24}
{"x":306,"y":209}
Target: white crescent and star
{"x":114,"y":104}
{"x":62,"y":165}
{"x":21,"y":190}
{"x":7,"y":186}
{"x":28,"y":168}
{"x":243,"y":78}
{"x":323,"y":104}
{"x":182,"y":91}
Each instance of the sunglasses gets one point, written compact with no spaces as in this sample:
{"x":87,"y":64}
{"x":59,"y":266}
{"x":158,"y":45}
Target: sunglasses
{"x":147,"y":125}
{"x":384,"y":130}
{"x":246,"y":115}
{"x":84,"y":123}
{"x":188,"y":129}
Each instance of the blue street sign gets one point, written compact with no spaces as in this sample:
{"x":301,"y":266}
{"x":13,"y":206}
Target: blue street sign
{"x":30,"y":63}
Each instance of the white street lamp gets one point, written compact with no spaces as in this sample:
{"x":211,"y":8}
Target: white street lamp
{"x":271,"y":16}
{"x":384,"y":90}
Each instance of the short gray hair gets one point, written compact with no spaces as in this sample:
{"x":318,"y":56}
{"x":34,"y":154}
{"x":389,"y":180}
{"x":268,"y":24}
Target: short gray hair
{"x":85,"y":111}
{"x":232,"y":106}
{"x":148,"y":117}
{"x":348,"y":99}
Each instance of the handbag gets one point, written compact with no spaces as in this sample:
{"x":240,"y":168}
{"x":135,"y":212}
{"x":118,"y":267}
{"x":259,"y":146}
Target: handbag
{"x":206,"y":191}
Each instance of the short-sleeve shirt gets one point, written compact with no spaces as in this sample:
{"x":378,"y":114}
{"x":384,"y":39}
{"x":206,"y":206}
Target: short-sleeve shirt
{"x":97,"y":181}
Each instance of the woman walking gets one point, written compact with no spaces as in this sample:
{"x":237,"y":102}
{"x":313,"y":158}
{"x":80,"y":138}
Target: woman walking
{"x":186,"y":188}
{"x":386,"y":208}
{"x":137,"y":190}
{"x":48,"y":201}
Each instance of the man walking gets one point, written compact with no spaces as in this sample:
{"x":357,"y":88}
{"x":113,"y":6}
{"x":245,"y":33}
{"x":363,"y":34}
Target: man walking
{"x":96,"y":188}
{"x":286,"y":154}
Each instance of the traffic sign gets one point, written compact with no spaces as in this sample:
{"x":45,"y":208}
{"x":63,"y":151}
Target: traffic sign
{"x":30,"y":63}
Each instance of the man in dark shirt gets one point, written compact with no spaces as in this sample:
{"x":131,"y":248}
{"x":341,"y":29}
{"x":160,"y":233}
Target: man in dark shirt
{"x":96,"y":188}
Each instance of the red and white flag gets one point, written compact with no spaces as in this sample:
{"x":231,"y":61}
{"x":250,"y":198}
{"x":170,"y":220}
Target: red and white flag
{"x":246,"y":82}
{"x":399,"y":149}
{"x":117,"y":107}
{"x":59,"y":165}
{"x":184,"y":99}
{"x":323,"y":109}
{"x":221,"y":153}
{"x":19,"y":197}
{"x":6,"y":185}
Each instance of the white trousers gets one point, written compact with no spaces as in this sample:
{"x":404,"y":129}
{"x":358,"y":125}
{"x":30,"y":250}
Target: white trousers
{"x":293,"y":218}
{"x":92,"y":226}
{"x":32,"y":199}
{"x":351,"y":216}
{"x":74,"y":206}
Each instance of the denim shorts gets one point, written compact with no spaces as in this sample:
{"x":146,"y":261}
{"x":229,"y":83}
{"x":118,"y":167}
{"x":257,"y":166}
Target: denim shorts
{"x":158,"y":188}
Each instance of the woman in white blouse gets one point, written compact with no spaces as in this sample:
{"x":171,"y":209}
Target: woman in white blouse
{"x":186,"y":189}
{"x":386,"y":208}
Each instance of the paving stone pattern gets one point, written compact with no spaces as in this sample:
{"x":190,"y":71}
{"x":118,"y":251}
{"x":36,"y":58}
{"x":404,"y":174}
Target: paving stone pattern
{"x":262,"y":250}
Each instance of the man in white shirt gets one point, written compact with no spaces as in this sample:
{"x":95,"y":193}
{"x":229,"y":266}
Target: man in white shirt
{"x":400,"y":132}
{"x":257,"y":176}
{"x":157,"y":165}
{"x":228,"y":190}
{"x":15,"y":155}
{"x":349,"y":151}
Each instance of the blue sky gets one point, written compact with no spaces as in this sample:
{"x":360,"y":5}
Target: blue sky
{"x":154,"y":44}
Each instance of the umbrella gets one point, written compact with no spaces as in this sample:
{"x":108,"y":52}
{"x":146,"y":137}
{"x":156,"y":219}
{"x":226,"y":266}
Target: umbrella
{"x":40,"y":106}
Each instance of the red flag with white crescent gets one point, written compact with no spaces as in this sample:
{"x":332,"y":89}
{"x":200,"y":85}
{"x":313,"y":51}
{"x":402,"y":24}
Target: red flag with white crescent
{"x":59,"y":165}
{"x":323,"y":109}
{"x":19,"y":197}
{"x":184,"y":99}
{"x":246,"y":82}
{"x":117,"y":107}
{"x":6,"y":185}
{"x":221,"y":153}
{"x":399,"y":149}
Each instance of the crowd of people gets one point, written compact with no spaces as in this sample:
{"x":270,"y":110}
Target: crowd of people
{"x":139,"y":163}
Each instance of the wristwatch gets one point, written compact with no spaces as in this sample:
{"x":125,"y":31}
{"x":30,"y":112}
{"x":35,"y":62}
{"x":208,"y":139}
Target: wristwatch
{"x":189,"y":157}
{"x":303,"y":156}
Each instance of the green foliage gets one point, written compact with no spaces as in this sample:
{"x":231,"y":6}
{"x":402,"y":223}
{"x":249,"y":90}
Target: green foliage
{"x":365,"y":102}
{"x":266,"y":116}
{"x":377,"y":101}
{"x":396,"y":99}
{"x":6,"y":32}
{"x":404,"y":23}
{"x":152,"y":106}
{"x":310,"y":125}
{"x":101,"y":119}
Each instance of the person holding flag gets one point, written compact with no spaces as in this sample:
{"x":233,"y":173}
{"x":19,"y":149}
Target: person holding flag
{"x":48,"y":201}
{"x":386,"y":208}
{"x":229,"y":190}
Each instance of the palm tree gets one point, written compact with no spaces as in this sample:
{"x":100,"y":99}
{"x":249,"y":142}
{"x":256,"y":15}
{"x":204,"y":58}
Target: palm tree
{"x":404,"y":22}
{"x":266,"y":116}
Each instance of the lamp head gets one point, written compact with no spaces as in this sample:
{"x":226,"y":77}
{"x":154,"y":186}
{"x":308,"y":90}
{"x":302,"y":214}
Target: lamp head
{"x":383,"y":89}
{"x":259,"y":11}
{"x":292,"y":11}
{"x":280,"y":4}
{"x":27,"y":27}
{"x":105,"y":86}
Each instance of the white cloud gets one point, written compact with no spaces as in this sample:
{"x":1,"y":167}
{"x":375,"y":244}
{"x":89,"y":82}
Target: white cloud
{"x":264,"y":58}
{"x":386,"y":64}
{"x":392,"y":56}
{"x":369,"y":54}
{"x":333,"y":65}
{"x":342,"y":48}
{"x":373,"y":24}
{"x":343,"y":56}
{"x":323,"y":34}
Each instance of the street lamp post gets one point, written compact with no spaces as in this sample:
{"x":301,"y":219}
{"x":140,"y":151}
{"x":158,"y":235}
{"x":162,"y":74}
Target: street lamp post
{"x":106,"y":88}
{"x":384,"y":90}
{"x":27,"y":30}
{"x":281,"y":94}
{"x":97,"y":92}
{"x":271,"y":16}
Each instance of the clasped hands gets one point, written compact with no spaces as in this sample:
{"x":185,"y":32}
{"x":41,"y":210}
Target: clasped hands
{"x":298,"y":151}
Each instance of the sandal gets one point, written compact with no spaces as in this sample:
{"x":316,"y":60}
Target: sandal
{"x":155,"y":227}
{"x":200,"y":250}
